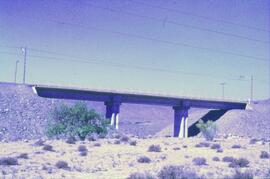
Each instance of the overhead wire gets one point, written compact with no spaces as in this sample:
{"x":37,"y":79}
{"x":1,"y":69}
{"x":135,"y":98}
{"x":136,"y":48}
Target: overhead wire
{"x":138,"y":36}
{"x":199,"y":16}
{"x":179,"y":24}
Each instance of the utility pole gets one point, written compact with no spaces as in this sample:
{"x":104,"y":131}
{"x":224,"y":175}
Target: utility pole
{"x":24,"y":62}
{"x":251,"y":88}
{"x":223,"y":88}
{"x":16,"y":67}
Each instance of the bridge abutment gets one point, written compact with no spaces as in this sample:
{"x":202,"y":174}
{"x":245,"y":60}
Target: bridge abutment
{"x":180,"y":128}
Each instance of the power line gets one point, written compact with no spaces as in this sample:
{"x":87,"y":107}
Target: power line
{"x":77,"y":25}
{"x":118,"y":65}
{"x":199,"y":16}
{"x":180,"y":24}
{"x":121,"y":65}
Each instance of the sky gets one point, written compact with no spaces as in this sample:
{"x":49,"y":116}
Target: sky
{"x":176,"y":47}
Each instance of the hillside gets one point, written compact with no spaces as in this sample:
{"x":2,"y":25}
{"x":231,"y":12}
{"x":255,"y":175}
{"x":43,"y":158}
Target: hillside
{"x":23,"y":115}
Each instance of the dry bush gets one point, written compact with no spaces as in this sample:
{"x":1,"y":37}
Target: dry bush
{"x":39,"y":142}
{"x":8,"y":161}
{"x":92,"y":137}
{"x":23,"y":156}
{"x":228,"y":159}
{"x":138,"y":175}
{"x":239,"y":163}
{"x":144,"y":159}
{"x":117,"y":142}
{"x":241,"y":175}
{"x":236,"y":146}
{"x":215,"y":146}
{"x":48,"y":148}
{"x":97,"y":144}
{"x":62,"y":165}
{"x":154,"y":148}
{"x":176,"y":148}
{"x":71,"y":140}
{"x":219,"y":150}
{"x":133,"y":143}
{"x":124,"y":139}
{"x":202,"y":144}
{"x":176,"y":172}
{"x":82,"y":148}
{"x":199,"y":161}
{"x":83,"y":153}
{"x":264,"y":155}
{"x":215,"y":159}
{"x":253,"y":141}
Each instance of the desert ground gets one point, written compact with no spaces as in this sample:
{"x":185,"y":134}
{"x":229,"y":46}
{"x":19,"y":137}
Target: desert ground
{"x":119,"y":157}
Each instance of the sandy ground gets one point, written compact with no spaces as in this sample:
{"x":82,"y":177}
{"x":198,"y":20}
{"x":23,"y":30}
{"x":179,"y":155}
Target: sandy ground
{"x":119,"y":160}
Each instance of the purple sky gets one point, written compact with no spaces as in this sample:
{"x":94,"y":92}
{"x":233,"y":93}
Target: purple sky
{"x":183,"y":47}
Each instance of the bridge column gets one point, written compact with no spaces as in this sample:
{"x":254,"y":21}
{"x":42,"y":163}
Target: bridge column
{"x":180,"y":121}
{"x":112,"y":112}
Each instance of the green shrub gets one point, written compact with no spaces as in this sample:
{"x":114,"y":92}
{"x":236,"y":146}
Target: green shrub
{"x":77,"y":120}
{"x":208,"y":129}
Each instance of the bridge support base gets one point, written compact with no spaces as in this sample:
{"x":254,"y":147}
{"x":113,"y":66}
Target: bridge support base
{"x":112,"y":112}
{"x":180,"y":121}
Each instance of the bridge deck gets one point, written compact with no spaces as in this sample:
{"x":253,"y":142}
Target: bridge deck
{"x":136,"y":98}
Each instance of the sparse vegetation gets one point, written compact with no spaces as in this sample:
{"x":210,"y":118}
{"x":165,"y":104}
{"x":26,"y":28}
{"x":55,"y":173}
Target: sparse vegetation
{"x":239,"y":163}
{"x":144,"y":159}
{"x":48,"y":148}
{"x":253,"y":141}
{"x":39,"y":142}
{"x":71,"y":140}
{"x":199,"y":161}
{"x":133,"y":143}
{"x":138,"y":175}
{"x":216,"y":159}
{"x":176,"y":148}
{"x":77,"y":120}
{"x":97,"y":144}
{"x":92,"y":137}
{"x":264,"y":155}
{"x":82,"y":148}
{"x":215,"y":146}
{"x":228,"y":159}
{"x":208,"y":129}
{"x":8,"y":161}
{"x":242,"y":175}
{"x":83,"y":153}
{"x":154,"y":148}
{"x":23,"y":156}
{"x":202,"y":144}
{"x":62,"y":165}
{"x":124,"y":139}
{"x":219,"y":150}
{"x":236,"y":146}
{"x":176,"y":172}
{"x":117,"y":142}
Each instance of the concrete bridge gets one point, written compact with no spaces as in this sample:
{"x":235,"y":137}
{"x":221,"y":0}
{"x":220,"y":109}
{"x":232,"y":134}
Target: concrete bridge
{"x":114,"y":99}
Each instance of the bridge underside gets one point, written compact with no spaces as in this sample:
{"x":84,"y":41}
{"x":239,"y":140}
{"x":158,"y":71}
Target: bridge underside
{"x":113,"y":101}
